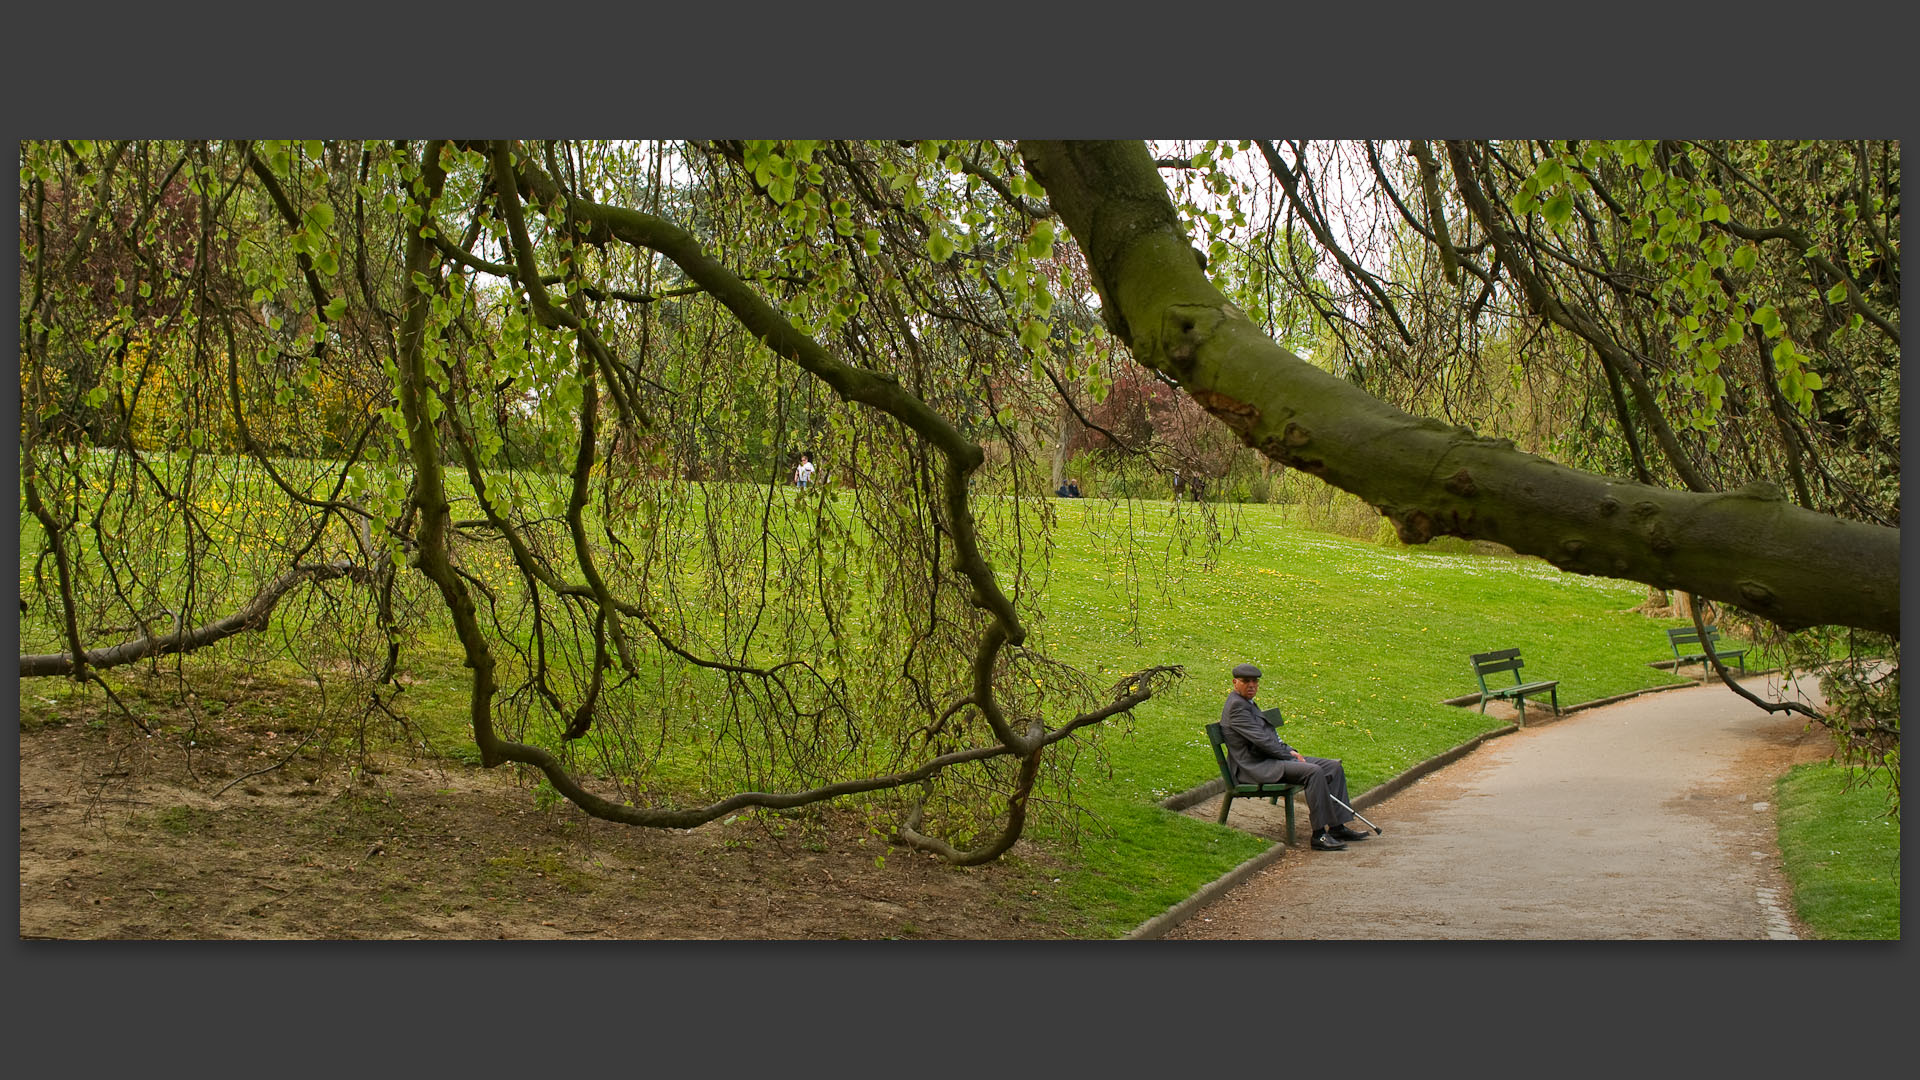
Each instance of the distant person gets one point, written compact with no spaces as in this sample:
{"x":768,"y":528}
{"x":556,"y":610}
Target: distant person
{"x":1258,"y":756}
{"x":1068,"y":490}
{"x":803,"y":474}
{"x":1176,"y":485}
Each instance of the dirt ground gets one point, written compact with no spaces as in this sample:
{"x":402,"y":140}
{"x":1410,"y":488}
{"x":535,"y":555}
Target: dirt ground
{"x":124,"y":836}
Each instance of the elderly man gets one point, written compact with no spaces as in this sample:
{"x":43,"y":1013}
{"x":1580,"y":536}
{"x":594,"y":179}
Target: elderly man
{"x":1258,"y":756}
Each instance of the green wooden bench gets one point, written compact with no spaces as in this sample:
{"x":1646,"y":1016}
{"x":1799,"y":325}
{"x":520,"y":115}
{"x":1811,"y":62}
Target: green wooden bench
{"x":1493,"y":663}
{"x":1238,"y":790}
{"x":1690,"y":638}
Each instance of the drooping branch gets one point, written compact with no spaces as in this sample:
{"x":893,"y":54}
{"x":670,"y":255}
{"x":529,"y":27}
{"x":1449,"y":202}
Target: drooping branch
{"x":1436,"y":210}
{"x":253,"y":615}
{"x":1025,"y":737}
{"x":1748,"y":547}
{"x":1290,"y":182}
{"x":1720,"y":668}
{"x":1618,"y":361}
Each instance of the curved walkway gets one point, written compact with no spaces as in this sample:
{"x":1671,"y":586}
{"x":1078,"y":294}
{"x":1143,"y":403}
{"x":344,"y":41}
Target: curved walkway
{"x":1647,"y":818}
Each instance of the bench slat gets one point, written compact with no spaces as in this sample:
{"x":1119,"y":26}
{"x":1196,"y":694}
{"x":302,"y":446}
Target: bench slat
{"x":1687,"y":635}
{"x":1492,"y":663}
{"x":1236,"y":789}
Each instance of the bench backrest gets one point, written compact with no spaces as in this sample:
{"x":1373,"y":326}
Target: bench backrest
{"x":1219,"y":741}
{"x":1493,"y":663}
{"x":1220,"y":753}
{"x":1687,"y":635}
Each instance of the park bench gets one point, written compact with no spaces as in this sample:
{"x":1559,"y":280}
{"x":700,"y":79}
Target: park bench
{"x":1493,"y":663}
{"x":1238,"y":790}
{"x":1688,"y":637}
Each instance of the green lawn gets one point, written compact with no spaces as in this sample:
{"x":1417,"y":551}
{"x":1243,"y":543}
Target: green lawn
{"x":1841,"y":852}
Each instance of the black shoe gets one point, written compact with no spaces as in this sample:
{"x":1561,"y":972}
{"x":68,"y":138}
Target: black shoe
{"x":1325,"y":842}
{"x":1341,"y":832}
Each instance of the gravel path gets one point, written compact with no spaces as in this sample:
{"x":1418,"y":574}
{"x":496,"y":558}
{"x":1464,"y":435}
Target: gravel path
{"x":1648,"y":818}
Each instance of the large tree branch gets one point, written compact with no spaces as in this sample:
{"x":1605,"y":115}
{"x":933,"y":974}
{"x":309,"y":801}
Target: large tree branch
{"x":251,"y":616}
{"x":1749,"y":547}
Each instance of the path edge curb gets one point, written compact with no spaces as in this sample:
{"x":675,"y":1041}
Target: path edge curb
{"x":1158,"y":925}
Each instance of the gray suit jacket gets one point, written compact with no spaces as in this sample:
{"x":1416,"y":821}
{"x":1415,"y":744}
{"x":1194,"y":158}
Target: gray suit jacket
{"x":1253,"y":748}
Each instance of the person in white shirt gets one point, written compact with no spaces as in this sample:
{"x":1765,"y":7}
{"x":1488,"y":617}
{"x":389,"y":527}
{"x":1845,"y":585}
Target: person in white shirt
{"x":803,"y":475}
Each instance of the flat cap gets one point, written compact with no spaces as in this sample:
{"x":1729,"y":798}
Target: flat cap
{"x":1245,"y":671}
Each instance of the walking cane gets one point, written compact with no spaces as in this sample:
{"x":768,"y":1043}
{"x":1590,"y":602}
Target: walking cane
{"x":1355,"y":813}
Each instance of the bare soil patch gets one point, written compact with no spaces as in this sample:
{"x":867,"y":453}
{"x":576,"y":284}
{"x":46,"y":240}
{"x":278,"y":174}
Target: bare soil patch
{"x":128,"y":836}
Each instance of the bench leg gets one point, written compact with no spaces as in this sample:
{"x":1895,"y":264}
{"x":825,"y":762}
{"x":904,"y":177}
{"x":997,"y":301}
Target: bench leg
{"x":1226,"y":804}
{"x":1289,"y":840}
{"x":1553,"y":695}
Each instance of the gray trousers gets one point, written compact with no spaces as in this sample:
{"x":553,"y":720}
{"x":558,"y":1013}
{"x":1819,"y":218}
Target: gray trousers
{"x":1323,"y":777}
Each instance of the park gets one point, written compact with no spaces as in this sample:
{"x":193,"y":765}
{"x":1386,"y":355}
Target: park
{"x":845,"y":540}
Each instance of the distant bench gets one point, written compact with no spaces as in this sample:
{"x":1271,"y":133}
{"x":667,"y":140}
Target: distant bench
{"x":1236,"y":789}
{"x":1493,"y":663}
{"x":1685,"y":641}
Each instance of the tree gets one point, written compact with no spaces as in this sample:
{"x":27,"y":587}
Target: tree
{"x":572,"y":375}
{"x":645,"y":578}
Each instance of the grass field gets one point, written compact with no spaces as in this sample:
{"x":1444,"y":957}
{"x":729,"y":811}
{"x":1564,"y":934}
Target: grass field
{"x":1841,"y":851}
{"x":1361,"y":643}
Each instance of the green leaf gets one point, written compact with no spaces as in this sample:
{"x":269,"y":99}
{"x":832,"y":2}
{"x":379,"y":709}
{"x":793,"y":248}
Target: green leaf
{"x":1837,"y":293}
{"x":1559,"y":209}
{"x":336,"y":307}
{"x":1034,"y":334}
{"x":1715,"y":388}
{"x":1042,"y":245}
{"x":939,"y":248}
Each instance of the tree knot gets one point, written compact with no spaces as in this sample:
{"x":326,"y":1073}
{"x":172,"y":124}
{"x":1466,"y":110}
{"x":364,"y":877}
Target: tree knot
{"x":1185,"y":329}
{"x":1414,"y":527}
{"x":1239,"y":415}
